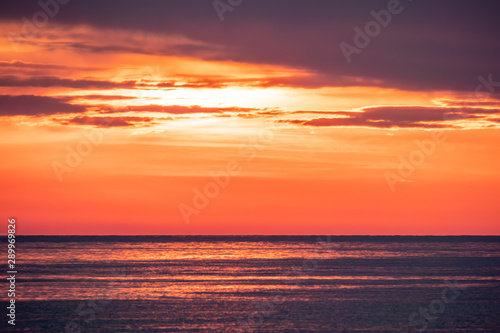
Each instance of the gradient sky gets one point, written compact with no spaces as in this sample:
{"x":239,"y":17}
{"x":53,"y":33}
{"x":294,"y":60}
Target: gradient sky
{"x":156,"y":117}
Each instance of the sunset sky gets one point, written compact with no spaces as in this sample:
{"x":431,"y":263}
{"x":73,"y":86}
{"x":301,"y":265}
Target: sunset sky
{"x":158,"y":117}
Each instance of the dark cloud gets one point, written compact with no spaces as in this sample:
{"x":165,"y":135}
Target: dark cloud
{"x":21,"y":64}
{"x":201,"y":51}
{"x":366,"y":122}
{"x":177,"y":109}
{"x":405,"y":117}
{"x":37,"y":67}
{"x":310,"y":80}
{"x":430,"y":45}
{"x":472,"y":103}
{"x":52,"y":81}
{"x":109,"y":121}
{"x":35,"y":105}
{"x":100,"y":97}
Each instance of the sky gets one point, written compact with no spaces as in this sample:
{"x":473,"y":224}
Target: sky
{"x":250,"y":117}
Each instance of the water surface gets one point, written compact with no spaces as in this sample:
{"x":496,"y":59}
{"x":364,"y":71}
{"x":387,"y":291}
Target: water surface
{"x":259,"y":284}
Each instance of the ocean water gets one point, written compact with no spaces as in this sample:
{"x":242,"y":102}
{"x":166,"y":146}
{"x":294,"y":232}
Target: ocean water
{"x":257,"y":284}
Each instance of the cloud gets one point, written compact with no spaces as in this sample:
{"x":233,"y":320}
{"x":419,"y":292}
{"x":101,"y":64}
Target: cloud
{"x":109,"y":121}
{"x":472,"y":103}
{"x":52,"y":81}
{"x":404,"y":117}
{"x":99,"y":97}
{"x":194,"y":84}
{"x":177,"y":109}
{"x":30,"y":105}
{"x":414,"y":52}
{"x":307,"y":80}
{"x":30,"y":68}
{"x":22,"y":64}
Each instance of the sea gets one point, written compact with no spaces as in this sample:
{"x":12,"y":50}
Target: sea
{"x":255,"y":284}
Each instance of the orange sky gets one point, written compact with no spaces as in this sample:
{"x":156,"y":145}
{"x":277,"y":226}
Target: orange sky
{"x":124,"y":141}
